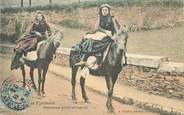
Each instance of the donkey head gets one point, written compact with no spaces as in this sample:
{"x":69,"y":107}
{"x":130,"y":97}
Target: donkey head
{"x":121,"y":40}
{"x":47,"y":48}
{"x":57,"y":36}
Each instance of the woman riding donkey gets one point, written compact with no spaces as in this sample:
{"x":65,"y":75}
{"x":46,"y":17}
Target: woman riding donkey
{"x":108,"y":43}
{"x":37,"y":33}
{"x":105,"y":33}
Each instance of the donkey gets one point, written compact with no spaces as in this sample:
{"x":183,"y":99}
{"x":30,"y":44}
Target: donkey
{"x":111,"y":67}
{"x":45,"y":52}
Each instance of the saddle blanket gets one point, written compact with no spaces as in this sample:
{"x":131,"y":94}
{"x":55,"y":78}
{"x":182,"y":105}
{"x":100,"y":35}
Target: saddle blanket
{"x":32,"y":55}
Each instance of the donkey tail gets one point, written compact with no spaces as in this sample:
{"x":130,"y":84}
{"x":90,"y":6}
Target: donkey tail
{"x":74,"y":57}
{"x":71,"y":58}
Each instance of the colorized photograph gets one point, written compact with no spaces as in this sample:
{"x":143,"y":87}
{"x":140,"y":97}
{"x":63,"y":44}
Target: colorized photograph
{"x":92,"y":57}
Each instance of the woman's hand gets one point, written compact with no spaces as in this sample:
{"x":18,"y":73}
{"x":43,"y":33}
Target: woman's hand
{"x":38,"y":34}
{"x":114,"y":37}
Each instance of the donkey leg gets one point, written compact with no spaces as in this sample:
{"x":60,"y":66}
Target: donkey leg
{"x":114,"y":78}
{"x":39,"y":79}
{"x":32,"y":78}
{"x":125,"y":57}
{"x":73,"y":81}
{"x":23,"y":75}
{"x":43,"y":80}
{"x":110,"y":87}
{"x":82,"y":84}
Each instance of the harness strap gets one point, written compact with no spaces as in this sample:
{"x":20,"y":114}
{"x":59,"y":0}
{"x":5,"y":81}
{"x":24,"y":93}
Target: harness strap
{"x":106,"y":52}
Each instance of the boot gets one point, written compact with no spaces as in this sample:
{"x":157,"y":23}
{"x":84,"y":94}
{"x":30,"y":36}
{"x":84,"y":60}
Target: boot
{"x":82,"y":62}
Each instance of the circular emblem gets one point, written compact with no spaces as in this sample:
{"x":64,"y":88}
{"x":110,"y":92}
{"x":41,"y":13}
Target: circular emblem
{"x":14,"y":96}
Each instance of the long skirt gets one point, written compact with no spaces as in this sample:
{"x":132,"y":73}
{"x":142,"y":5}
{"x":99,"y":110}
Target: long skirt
{"x":27,"y":43}
{"x":91,"y":46}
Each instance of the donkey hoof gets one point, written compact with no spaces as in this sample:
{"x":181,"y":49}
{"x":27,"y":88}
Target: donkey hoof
{"x":86,"y":100}
{"x":110,"y":110}
{"x":34,"y":87}
{"x":73,"y":97}
{"x":42,"y":94}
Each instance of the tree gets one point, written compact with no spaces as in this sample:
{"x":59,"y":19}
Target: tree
{"x":22,"y":3}
{"x":50,"y":1}
{"x":30,"y":2}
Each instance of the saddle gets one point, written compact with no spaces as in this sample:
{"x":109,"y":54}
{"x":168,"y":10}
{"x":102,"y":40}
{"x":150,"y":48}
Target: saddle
{"x":32,"y":55}
{"x":94,"y":62}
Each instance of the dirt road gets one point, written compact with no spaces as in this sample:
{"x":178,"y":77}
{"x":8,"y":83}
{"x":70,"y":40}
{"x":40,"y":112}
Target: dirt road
{"x":58,"y":101}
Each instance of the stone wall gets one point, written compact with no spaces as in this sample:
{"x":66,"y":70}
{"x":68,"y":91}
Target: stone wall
{"x":6,"y":49}
{"x":159,"y":63}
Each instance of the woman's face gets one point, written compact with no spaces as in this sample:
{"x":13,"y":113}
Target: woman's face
{"x":105,"y":11}
{"x":39,"y":17}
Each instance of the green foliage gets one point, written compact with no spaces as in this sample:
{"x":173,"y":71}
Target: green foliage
{"x":41,"y":8}
{"x":18,"y":29}
{"x":72,"y":23}
{"x":88,"y":4}
{"x":5,"y":37}
{"x":3,"y":22}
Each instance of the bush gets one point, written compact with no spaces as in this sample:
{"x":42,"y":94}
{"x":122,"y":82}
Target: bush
{"x":72,"y":23}
{"x":18,"y":29}
{"x":41,"y":8}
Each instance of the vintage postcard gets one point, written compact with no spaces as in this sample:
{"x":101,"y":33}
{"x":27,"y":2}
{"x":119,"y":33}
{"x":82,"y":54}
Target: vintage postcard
{"x":92,"y":57}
